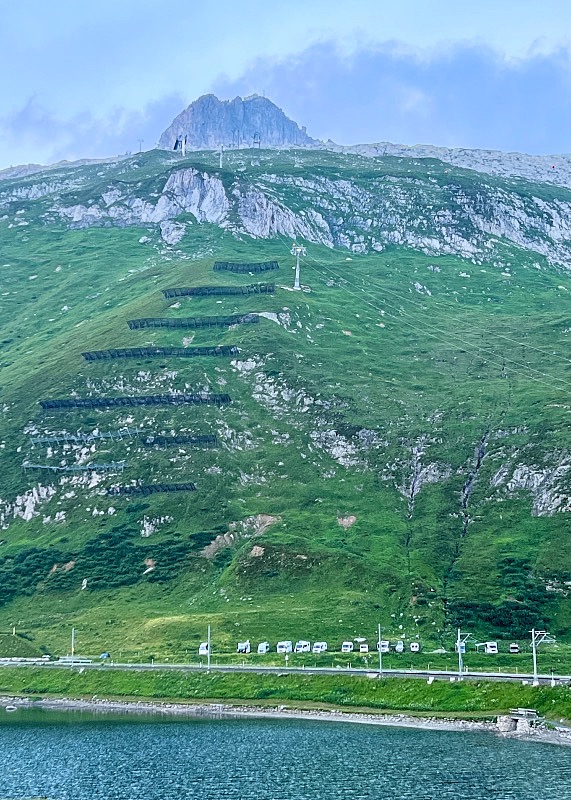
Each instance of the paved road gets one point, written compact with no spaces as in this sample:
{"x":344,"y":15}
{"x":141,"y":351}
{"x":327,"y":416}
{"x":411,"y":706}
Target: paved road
{"x":282,"y":670}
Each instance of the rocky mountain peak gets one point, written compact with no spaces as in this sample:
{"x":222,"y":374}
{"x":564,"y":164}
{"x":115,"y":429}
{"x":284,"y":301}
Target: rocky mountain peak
{"x":242,"y":122}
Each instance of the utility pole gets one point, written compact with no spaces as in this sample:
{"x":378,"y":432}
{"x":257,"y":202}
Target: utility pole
{"x":297,"y":250}
{"x":140,"y":145}
{"x":208,"y":656}
{"x":72,"y":645}
{"x":380,"y":630}
{"x":537,"y":638}
{"x":461,"y":640}
{"x":221,"y":155}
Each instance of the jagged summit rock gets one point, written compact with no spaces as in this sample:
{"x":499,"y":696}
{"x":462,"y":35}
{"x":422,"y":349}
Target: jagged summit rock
{"x":209,"y":122}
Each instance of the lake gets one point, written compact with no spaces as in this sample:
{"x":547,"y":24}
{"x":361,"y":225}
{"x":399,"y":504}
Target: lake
{"x":79,"y":756}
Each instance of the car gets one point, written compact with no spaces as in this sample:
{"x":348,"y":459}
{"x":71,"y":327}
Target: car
{"x":243,"y":647}
{"x":302,"y":646}
{"x":319,"y":647}
{"x":263,"y":648}
{"x":347,"y":647}
{"x":284,"y":647}
{"x":514,"y":647}
{"x":203,"y":649}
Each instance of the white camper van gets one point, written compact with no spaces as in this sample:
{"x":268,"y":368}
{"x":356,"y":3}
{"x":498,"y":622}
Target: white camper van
{"x":399,"y":647}
{"x":491,"y":648}
{"x":347,"y":647}
{"x":383,"y":646}
{"x":320,"y":647}
{"x":363,"y":648}
{"x":514,"y":648}
{"x":302,"y":646}
{"x":284,"y":647}
{"x":243,"y":647}
{"x":203,"y":649}
{"x":415,"y":647}
{"x":263,"y":648}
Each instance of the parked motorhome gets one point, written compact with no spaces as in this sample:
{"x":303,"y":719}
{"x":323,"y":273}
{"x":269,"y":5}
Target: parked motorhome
{"x":302,"y":646}
{"x":263,"y":648}
{"x":203,"y":649}
{"x":514,"y":647}
{"x":399,"y":647}
{"x":415,"y":647}
{"x":363,"y":648}
{"x":490,"y":648}
{"x":320,"y":647}
{"x":347,"y":647}
{"x":383,"y":646}
{"x":284,"y":647}
{"x":243,"y":647}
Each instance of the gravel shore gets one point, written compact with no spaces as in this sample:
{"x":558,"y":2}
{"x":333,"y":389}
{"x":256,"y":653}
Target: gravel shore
{"x":558,"y":735}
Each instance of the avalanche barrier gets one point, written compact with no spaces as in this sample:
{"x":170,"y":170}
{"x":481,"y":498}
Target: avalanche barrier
{"x":113,"y":466}
{"x":206,"y":291}
{"x":200,"y":398}
{"x":153,"y":488}
{"x":193,"y":322}
{"x":85,"y":438}
{"x":160,"y":352}
{"x":235,"y":266}
{"x":206,"y":440}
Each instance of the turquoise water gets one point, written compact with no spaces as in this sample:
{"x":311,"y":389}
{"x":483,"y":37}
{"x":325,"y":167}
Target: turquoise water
{"x":86,"y":757}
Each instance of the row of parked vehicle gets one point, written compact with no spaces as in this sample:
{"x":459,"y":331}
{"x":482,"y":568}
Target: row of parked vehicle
{"x":304,"y":646}
{"x":384,"y":646}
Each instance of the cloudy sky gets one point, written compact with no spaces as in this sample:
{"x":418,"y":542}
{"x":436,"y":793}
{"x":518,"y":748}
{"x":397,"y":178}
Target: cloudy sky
{"x":92,"y":79}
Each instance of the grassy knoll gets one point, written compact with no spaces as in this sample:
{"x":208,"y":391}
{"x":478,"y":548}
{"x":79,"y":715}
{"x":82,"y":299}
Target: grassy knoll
{"x":412,"y":696}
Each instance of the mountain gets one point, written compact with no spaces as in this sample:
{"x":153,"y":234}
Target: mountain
{"x":209,"y":123}
{"x":390,"y":444}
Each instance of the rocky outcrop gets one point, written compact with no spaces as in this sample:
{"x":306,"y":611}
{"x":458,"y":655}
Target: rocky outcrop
{"x":555,"y":169}
{"x":209,"y":123}
{"x":362,"y":215}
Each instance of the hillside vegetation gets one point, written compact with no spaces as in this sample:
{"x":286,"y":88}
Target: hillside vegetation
{"x":394,"y":445}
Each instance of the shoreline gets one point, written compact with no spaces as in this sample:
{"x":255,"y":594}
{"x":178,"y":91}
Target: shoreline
{"x":556,"y":735}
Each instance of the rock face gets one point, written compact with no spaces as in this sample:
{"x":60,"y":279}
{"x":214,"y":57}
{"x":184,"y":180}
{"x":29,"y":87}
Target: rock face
{"x":209,"y":122}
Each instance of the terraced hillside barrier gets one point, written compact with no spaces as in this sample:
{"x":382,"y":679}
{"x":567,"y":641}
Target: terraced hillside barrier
{"x":113,"y":466}
{"x":218,"y":291}
{"x":241,"y":267}
{"x":153,"y":488}
{"x":183,"y":398}
{"x":160,"y":352}
{"x":206,"y":440}
{"x":85,"y":438}
{"x":194,"y":322}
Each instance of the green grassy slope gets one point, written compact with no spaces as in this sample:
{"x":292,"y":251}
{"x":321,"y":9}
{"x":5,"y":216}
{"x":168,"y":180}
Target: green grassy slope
{"x":366,"y":399}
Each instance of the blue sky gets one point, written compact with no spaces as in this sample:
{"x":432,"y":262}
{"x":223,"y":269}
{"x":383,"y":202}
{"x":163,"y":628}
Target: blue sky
{"x":87,"y":80}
